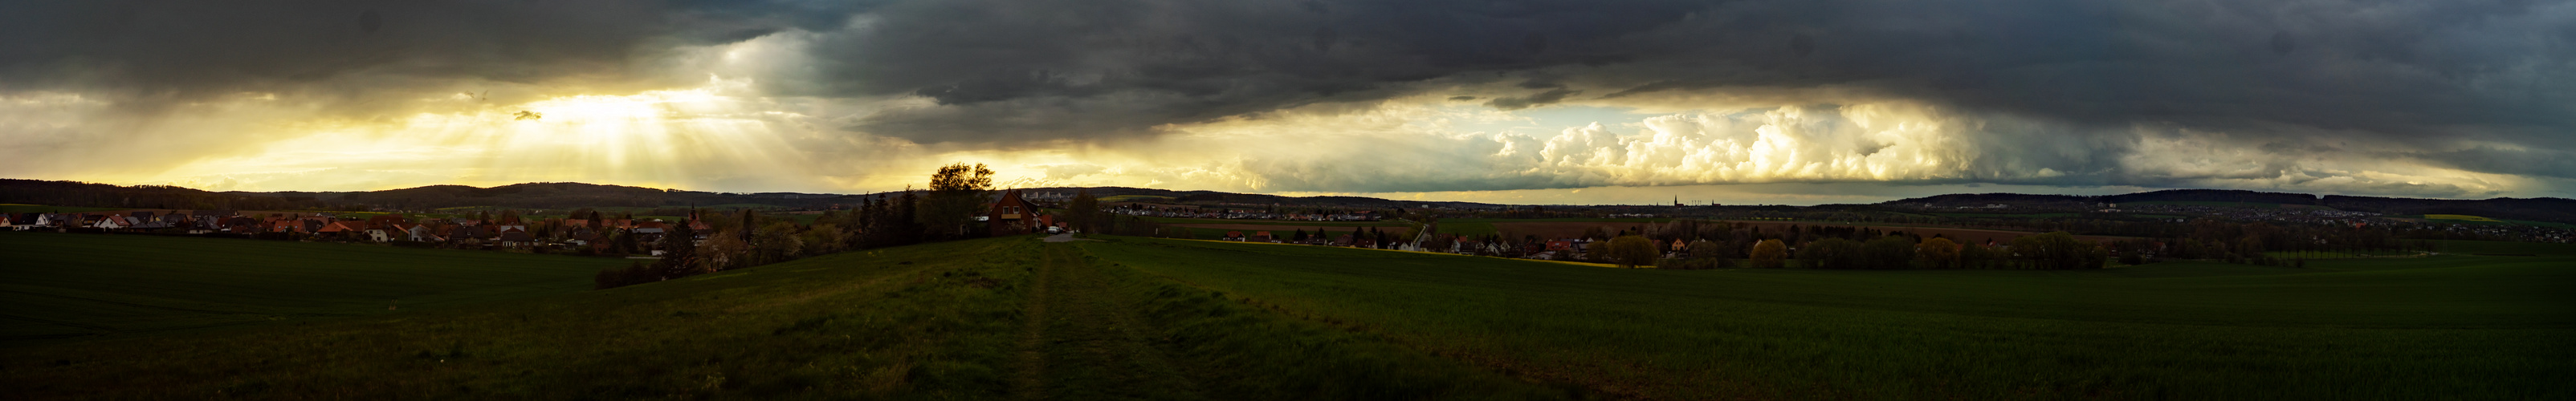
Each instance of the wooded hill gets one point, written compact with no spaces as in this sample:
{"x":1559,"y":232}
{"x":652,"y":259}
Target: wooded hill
{"x":567,"y":195}
{"x":2536,"y":209}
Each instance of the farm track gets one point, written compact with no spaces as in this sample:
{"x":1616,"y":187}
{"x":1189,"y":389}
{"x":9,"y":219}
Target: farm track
{"x":1084,"y":342}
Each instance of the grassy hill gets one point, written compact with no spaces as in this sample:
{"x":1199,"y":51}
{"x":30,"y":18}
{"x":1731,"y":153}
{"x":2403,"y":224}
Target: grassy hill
{"x":1176,"y":319}
{"x":71,"y":285}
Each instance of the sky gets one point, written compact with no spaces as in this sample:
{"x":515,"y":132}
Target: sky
{"x":1530,"y":102}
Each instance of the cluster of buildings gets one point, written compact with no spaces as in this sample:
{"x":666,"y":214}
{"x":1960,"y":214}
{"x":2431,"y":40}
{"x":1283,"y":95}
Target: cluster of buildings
{"x":512,"y":232}
{"x":1242,"y":214}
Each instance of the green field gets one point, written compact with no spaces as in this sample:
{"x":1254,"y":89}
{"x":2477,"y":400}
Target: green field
{"x":2334,"y":254}
{"x":1304,"y":223}
{"x":971,"y":320}
{"x":1174,"y":319}
{"x":1136,"y":198}
{"x":2008,"y":215}
{"x":69,"y":285}
{"x":2208,"y":203}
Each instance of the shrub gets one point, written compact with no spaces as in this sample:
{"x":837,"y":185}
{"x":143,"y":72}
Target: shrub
{"x":1769,"y":253}
{"x":1633,"y":251}
{"x":1889,"y":252}
{"x":1937,"y":253}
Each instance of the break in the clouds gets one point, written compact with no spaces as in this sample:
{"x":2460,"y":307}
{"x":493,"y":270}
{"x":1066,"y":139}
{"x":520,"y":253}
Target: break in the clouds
{"x":2417,"y":98}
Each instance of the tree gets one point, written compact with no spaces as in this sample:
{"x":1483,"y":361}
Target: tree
{"x":721,"y":252}
{"x":1974,"y":255}
{"x":958,"y":192}
{"x":1082,"y":210}
{"x":1831,"y":253}
{"x":1769,"y":253}
{"x":1633,"y":251}
{"x":1937,"y":253}
{"x":1888,"y":252}
{"x":777,"y":242}
{"x":823,"y":239}
{"x":679,"y":250}
{"x":2058,"y":251}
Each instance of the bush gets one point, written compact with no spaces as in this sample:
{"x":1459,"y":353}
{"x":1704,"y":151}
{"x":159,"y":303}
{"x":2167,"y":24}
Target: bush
{"x":1832,"y":253}
{"x":1937,"y":253}
{"x":1633,"y":251}
{"x":1769,"y":253}
{"x":1889,"y":252}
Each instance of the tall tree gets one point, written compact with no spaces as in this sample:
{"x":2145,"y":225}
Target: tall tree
{"x":749,"y":223}
{"x":679,"y":250}
{"x":958,"y":192}
{"x":1082,"y":210}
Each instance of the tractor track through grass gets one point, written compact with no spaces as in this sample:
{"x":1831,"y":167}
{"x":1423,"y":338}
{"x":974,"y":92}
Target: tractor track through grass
{"x":1089,"y":342}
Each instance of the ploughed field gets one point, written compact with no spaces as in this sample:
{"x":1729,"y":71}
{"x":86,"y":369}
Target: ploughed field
{"x":75,"y":285}
{"x":1175,"y":319}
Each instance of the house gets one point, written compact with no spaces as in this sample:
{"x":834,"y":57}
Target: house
{"x":109,"y":222}
{"x":1263,"y":236}
{"x":1011,"y":215}
{"x":422,"y":233}
{"x":344,"y":229}
{"x":518,"y":239}
{"x":1234,"y":235}
{"x":1560,"y":245}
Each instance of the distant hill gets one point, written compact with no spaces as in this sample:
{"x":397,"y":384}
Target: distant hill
{"x":565,"y":195}
{"x":545,"y":195}
{"x":2536,"y":209}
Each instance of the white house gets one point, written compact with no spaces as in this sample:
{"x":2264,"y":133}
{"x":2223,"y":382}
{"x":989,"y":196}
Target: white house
{"x":421,"y":232}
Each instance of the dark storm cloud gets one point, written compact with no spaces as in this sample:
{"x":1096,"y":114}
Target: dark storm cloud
{"x":2423,"y":72}
{"x":2438,"y":73}
{"x":988,"y":63}
{"x":185,"y":50}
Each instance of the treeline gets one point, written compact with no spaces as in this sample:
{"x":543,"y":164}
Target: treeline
{"x":549,"y":195}
{"x":944,"y":212}
{"x":1714,"y":244}
{"x":74,"y":193}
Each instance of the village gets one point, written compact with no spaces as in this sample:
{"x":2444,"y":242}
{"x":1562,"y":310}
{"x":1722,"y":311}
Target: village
{"x":591,"y":233}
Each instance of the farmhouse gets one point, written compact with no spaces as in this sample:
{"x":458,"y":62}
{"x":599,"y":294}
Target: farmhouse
{"x":1011,"y":215}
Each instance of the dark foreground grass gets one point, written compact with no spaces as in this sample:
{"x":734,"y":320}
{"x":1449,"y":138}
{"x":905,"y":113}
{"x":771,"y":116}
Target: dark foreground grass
{"x":2450,"y":327}
{"x":986,"y":319}
{"x":72,"y":285}
{"x":1135,"y":318}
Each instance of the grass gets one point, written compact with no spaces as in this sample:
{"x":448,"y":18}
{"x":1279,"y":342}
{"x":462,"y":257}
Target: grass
{"x":969,"y":320}
{"x":72,"y":285}
{"x":2460,"y":217}
{"x":2208,"y":203}
{"x":1136,"y":198}
{"x":2439,"y":327}
{"x":2009,"y":215}
{"x":2333,"y":254}
{"x":1304,"y":223}
{"x":1170,"y":319}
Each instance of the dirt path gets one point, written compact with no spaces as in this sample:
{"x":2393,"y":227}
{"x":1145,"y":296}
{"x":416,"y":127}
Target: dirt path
{"x":1031,"y":381}
{"x":1082,"y":343}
